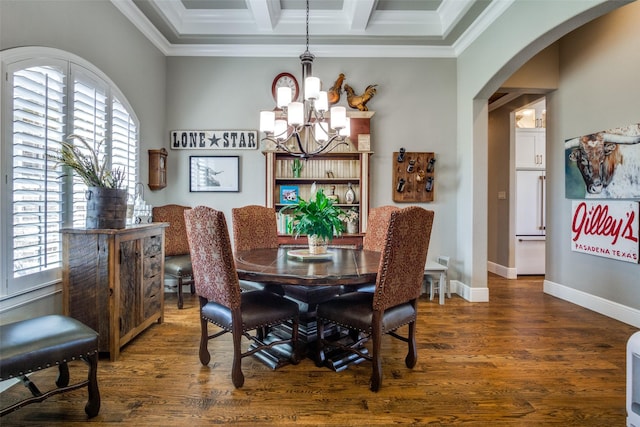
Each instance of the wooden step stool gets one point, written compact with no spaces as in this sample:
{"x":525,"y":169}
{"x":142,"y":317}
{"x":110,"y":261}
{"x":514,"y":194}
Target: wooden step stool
{"x":43,"y":342}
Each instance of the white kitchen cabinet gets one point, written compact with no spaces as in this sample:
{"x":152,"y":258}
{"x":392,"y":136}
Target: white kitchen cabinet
{"x":530,"y":148}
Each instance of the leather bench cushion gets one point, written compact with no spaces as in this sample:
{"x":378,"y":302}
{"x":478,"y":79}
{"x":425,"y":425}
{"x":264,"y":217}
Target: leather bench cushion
{"x":179,"y":265}
{"x":33,"y":344}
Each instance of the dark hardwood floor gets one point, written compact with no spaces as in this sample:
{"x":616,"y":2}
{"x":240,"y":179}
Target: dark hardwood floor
{"x":523,"y":359}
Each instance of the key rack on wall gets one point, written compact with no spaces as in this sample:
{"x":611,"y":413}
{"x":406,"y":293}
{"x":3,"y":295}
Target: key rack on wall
{"x":413,"y":176}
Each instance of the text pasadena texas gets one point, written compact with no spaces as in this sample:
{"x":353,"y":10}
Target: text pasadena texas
{"x":605,"y":251}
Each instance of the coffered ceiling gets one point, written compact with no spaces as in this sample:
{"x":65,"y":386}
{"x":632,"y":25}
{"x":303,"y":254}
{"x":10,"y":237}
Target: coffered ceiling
{"x":337,"y":28}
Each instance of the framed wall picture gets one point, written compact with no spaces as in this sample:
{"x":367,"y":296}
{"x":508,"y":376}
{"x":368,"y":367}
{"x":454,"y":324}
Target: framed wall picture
{"x":604,"y":164}
{"x":288,"y":194}
{"x":214,"y":173}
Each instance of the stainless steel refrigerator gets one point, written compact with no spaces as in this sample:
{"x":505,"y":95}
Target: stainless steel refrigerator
{"x":530,"y":221}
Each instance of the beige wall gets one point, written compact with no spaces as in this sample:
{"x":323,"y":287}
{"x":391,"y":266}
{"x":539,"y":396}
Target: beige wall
{"x":538,"y":76}
{"x":414,"y":108}
{"x":593,"y":94}
{"x":522,"y":31}
{"x":541,"y":73}
{"x":97,"y":32}
{"x":501,"y":177}
{"x":599,"y":89}
{"x":422,"y":104}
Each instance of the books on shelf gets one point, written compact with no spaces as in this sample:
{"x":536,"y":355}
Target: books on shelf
{"x":285,"y":223}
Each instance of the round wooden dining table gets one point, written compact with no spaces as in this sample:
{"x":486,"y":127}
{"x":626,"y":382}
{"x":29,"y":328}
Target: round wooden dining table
{"x":308,"y":280}
{"x":290,"y":266}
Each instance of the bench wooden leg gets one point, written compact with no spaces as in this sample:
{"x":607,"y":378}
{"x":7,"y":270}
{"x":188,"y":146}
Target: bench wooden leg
{"x":63,"y":375}
{"x":35,"y":391}
{"x":93,"y":404}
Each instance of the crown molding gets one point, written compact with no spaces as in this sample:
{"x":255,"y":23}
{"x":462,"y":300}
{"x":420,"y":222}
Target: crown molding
{"x":420,"y":23}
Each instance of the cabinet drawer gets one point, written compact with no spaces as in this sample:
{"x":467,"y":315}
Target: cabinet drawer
{"x":152,"y":298}
{"x":152,"y":265}
{"x":153,"y":245}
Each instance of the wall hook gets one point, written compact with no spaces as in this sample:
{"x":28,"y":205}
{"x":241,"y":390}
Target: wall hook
{"x":429,"y":186}
{"x":401,"y":155}
{"x":411,"y":166}
{"x":431,"y":164}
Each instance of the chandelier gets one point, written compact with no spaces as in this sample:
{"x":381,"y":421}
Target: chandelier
{"x":301,"y":128}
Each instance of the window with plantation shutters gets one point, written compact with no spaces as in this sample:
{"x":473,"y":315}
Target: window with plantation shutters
{"x":124,"y":143}
{"x":89,"y":101}
{"x":44,"y":101}
{"x":37,"y":196}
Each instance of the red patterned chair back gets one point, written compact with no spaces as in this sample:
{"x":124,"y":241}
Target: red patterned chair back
{"x":254,"y":227}
{"x":175,"y":236}
{"x":377,"y":225}
{"x":214,"y":268}
{"x":404,"y":253}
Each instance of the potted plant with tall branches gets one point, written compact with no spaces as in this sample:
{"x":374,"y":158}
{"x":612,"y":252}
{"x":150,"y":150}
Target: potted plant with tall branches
{"x":106,"y":197}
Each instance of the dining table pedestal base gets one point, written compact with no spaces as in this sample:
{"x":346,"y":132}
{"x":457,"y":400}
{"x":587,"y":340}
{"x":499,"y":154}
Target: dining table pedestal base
{"x":280,"y":355}
{"x":307,"y":298}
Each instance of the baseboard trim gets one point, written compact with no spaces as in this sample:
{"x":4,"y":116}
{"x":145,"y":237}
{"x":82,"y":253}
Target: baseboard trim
{"x":502,"y":271}
{"x":600,"y":305}
{"x":469,"y":293}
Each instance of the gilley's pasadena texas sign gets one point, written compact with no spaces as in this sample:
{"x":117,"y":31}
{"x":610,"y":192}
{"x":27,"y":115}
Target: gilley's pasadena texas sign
{"x":606,"y":228}
{"x":214,"y":139}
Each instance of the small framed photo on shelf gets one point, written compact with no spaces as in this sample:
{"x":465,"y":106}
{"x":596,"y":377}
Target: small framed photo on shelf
{"x":214,"y":173}
{"x":288,"y":194}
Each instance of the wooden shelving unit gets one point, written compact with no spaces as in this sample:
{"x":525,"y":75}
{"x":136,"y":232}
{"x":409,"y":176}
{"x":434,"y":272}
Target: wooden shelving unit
{"x":333,"y":172}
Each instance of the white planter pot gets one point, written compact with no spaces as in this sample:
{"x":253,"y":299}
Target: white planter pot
{"x":317,"y":245}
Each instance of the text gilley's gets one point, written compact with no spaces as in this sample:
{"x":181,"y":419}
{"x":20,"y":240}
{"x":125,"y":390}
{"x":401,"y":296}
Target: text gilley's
{"x":606,"y":228}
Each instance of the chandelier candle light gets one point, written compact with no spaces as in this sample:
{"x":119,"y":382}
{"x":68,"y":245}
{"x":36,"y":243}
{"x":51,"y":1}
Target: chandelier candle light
{"x":301,"y":128}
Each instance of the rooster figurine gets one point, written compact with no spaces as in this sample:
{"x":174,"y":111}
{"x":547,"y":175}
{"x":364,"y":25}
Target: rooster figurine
{"x":333,"y":94}
{"x":360,"y":101}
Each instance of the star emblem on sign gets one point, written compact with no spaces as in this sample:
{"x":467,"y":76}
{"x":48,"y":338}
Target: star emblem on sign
{"x":214,"y":141}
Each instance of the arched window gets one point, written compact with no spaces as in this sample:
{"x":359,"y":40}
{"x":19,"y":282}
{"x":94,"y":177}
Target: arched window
{"x":48,"y":95}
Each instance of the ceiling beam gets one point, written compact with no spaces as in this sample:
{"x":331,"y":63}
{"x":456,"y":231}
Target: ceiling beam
{"x":272,"y":28}
{"x":358,"y":13}
{"x":265,"y":12}
{"x":451,"y":12}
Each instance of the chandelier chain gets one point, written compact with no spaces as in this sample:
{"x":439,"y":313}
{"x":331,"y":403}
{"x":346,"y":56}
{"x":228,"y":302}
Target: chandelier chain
{"x":307,"y":132}
{"x":307,"y":25}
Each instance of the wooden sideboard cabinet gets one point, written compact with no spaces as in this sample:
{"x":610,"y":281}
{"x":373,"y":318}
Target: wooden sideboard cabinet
{"x":113,"y":281}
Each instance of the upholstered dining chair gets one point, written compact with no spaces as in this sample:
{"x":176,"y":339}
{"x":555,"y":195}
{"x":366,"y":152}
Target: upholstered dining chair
{"x":377,"y":225}
{"x":374,"y":238}
{"x":177,"y":261}
{"x":394,"y":302}
{"x":255,"y":227}
{"x":221,"y":301}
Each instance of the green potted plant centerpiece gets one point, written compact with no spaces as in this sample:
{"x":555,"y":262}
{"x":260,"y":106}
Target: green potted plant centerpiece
{"x":106,"y":199}
{"x":318,"y":218}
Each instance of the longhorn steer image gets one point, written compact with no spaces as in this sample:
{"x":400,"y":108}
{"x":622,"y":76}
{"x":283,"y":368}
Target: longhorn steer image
{"x":606,"y":171}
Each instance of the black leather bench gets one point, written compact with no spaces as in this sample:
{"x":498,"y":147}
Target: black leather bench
{"x":43,"y":342}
